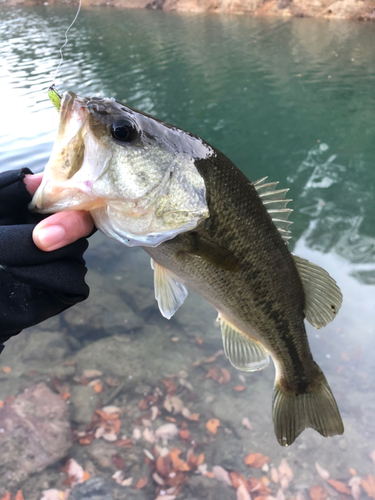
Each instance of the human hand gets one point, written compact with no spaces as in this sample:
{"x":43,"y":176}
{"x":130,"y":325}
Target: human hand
{"x":35,"y":282}
{"x":58,"y":230}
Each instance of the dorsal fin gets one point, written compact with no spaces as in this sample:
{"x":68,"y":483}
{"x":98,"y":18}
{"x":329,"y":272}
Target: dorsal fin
{"x":275,"y":203}
{"x":169,"y":292}
{"x":322,"y":295}
{"x":244,"y":352}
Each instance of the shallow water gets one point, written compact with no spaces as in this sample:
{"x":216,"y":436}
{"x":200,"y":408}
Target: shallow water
{"x":289,"y":99}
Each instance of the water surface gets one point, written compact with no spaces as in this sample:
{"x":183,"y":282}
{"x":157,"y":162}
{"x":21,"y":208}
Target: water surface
{"x":291,"y":99}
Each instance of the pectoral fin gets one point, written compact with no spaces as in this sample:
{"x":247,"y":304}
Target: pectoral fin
{"x":245,"y":353}
{"x":322,"y":295}
{"x":169,"y":292}
{"x":212,"y":253}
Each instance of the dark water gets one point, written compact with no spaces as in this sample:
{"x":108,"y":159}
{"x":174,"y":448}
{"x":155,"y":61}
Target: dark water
{"x":293,"y":100}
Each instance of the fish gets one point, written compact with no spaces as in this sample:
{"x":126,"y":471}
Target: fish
{"x":208,"y":228}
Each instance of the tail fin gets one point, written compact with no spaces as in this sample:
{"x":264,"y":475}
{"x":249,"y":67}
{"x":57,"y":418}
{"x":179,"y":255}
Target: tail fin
{"x":315,"y":408}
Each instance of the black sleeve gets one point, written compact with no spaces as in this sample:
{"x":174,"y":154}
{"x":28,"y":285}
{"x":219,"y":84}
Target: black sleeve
{"x":34,"y":285}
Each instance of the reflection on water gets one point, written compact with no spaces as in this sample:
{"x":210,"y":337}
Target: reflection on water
{"x":289,"y":99}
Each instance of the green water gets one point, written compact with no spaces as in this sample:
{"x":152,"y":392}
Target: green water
{"x":291,"y":99}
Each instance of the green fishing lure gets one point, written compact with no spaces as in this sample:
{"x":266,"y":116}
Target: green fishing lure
{"x":55,"y":97}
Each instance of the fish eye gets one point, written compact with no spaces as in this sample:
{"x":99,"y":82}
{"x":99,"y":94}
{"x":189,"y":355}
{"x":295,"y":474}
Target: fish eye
{"x":123,"y":130}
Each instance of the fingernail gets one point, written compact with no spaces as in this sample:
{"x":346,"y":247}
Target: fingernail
{"x":51,"y":236}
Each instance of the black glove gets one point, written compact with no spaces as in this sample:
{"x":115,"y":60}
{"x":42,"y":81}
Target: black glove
{"x":34,"y":285}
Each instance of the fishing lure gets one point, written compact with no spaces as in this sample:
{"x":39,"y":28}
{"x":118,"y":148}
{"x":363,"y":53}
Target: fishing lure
{"x":55,"y":97}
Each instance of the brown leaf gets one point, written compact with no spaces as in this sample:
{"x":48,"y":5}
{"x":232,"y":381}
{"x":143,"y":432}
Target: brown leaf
{"x":242,"y":493}
{"x":194,"y":417}
{"x":339,"y":486}
{"x":107,"y":416}
{"x":116,"y":425}
{"x":256,"y":460}
{"x":199,"y":340}
{"x":124,"y":443}
{"x":88,"y":439}
{"x":170,"y":419}
{"x":143,"y":404}
{"x":86,"y":476}
{"x":254,"y":484}
{"x":164,"y":465}
{"x":98,"y":387}
{"x":141,"y":483}
{"x":195,"y":461}
{"x":368,"y":484}
{"x":118,"y":462}
{"x":237,"y":479}
{"x":7,"y":369}
{"x":225,"y":376}
{"x":6,"y":496}
{"x":184,"y":433}
{"x":209,"y":474}
{"x":239,"y":388}
{"x":178,"y":464}
{"x":212,"y":425}
{"x":170,"y":385}
{"x":220,"y":375}
{"x":318,"y":493}
{"x":19,"y":495}
{"x":214,"y":373}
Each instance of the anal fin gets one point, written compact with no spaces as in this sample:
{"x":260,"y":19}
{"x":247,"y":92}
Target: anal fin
{"x":169,"y":292}
{"x":322,"y":295}
{"x":244,"y":352}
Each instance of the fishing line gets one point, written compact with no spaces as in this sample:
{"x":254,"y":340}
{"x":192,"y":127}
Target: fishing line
{"x":64,"y":44}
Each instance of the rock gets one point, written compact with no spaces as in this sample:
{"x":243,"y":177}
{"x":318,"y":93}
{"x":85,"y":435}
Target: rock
{"x":50,"y":324}
{"x":228,"y":453}
{"x":83,"y":403}
{"x":101,"y":453}
{"x":135,"y":358}
{"x":103,"y":311}
{"x":45,"y":347}
{"x":204,"y":487}
{"x":96,"y":488}
{"x":137,"y":297}
{"x":35,"y":433}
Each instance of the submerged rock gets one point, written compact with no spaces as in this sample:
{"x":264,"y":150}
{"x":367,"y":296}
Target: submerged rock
{"x":99,"y":488}
{"x":83,"y":403}
{"x":104,"y":312}
{"x":204,"y":487}
{"x":35,"y":433}
{"x":93,"y":489}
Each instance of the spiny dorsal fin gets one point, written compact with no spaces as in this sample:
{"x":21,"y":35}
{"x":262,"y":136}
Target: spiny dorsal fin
{"x":243,"y":352}
{"x":322,"y":295}
{"x":169,"y":292}
{"x":275,"y":203}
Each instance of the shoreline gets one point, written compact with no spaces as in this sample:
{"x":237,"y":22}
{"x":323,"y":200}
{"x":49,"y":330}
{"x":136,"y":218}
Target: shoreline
{"x":360,"y":10}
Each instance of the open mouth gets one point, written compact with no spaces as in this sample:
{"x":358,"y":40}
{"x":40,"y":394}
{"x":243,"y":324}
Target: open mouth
{"x":60,"y":188}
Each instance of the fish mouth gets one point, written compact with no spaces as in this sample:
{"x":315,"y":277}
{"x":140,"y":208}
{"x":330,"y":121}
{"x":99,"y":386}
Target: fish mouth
{"x":61,"y":187}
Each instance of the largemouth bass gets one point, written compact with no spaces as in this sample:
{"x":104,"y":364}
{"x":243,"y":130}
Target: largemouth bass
{"x":208,"y":228}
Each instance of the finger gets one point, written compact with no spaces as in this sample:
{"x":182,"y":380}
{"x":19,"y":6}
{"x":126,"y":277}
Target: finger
{"x":32,"y":182}
{"x":61,"y":229}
